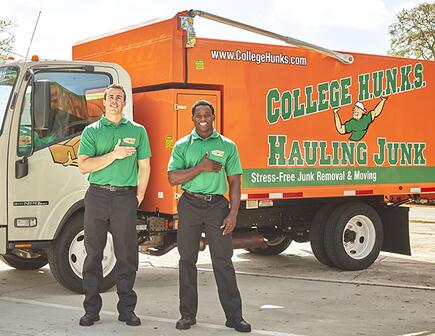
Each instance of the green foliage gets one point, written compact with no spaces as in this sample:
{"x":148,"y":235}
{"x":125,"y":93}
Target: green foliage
{"x":7,"y":39}
{"x":413,"y":33}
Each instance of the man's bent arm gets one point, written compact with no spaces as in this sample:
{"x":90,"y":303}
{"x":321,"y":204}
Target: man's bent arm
{"x":144,"y":176}
{"x":92,"y":164}
{"x":181,"y":176}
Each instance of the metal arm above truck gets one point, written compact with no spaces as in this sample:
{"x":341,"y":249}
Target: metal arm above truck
{"x":343,"y":58}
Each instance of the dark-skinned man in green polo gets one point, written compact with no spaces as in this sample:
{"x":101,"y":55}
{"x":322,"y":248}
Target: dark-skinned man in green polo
{"x":202,"y":162}
{"x":115,"y":152}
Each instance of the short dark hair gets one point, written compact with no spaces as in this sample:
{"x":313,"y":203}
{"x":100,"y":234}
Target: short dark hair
{"x":115,"y":86}
{"x":202,"y":103}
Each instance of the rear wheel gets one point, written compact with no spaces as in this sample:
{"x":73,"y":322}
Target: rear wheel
{"x":67,"y":255}
{"x":353,"y":236}
{"x":275,"y":244}
{"x":317,"y":234}
{"x":30,"y":261}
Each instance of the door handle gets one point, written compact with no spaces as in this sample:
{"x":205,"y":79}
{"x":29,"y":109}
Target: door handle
{"x":179,"y":107}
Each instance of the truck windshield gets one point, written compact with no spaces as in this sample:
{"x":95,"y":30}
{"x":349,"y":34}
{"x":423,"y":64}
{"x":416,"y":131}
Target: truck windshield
{"x":8,"y":77}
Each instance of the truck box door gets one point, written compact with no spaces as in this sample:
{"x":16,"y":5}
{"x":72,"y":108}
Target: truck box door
{"x":167,"y":117}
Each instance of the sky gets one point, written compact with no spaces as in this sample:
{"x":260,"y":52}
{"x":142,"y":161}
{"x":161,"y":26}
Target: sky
{"x":342,"y":25}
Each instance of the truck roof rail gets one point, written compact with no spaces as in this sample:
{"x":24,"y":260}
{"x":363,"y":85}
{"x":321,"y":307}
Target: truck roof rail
{"x":343,"y":58}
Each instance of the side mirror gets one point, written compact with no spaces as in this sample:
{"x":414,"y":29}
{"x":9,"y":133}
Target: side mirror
{"x":41,"y":105}
{"x":21,"y":167}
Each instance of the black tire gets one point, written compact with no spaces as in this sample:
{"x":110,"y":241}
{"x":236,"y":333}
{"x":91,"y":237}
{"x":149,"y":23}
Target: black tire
{"x":275,"y":246}
{"x":364,"y":236}
{"x":59,"y":258}
{"x":317,"y":234}
{"x":25,"y":264}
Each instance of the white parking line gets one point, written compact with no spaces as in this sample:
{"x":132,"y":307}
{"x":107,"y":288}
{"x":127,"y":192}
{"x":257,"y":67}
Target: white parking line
{"x":144,"y":317}
{"x":422,"y":333}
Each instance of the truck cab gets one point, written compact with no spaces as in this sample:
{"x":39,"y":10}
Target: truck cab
{"x":44,"y":107}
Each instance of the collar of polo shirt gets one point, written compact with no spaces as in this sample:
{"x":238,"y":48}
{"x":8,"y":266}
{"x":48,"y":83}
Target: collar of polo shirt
{"x":195,"y":135}
{"x":107,"y":122}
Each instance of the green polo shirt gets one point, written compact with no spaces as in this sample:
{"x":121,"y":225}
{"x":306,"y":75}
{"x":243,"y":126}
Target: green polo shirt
{"x":190,"y":150}
{"x":358,"y":127}
{"x":101,"y":137}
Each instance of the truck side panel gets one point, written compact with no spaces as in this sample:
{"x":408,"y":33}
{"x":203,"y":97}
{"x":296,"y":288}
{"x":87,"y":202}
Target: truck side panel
{"x":289,"y":108}
{"x":278,"y":102}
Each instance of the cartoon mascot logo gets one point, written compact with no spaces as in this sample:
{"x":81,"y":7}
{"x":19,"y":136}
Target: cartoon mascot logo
{"x":360,"y":121}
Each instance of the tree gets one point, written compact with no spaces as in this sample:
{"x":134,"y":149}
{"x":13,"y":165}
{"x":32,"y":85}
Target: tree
{"x":7,"y":39}
{"x":413,"y":33}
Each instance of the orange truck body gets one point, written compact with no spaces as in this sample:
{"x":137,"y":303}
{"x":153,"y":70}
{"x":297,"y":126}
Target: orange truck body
{"x":276,"y":102}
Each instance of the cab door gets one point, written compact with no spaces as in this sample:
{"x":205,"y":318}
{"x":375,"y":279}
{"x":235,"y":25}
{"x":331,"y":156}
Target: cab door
{"x":8,"y":79}
{"x":49,"y":182}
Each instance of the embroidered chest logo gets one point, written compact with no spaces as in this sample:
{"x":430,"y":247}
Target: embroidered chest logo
{"x":217,"y":153}
{"x":130,"y":141}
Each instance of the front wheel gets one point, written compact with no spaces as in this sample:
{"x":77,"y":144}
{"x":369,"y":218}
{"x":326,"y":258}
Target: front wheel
{"x":33,"y":261}
{"x":274,"y":245}
{"x":353,"y":236}
{"x":67,"y":255}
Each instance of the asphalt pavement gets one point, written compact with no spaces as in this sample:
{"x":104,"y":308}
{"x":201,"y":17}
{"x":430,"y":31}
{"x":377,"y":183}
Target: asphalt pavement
{"x":290,"y":294}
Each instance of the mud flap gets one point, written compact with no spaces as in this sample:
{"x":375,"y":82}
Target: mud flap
{"x":396,"y":229}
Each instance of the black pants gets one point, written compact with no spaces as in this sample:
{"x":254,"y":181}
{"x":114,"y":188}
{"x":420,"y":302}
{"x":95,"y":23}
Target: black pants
{"x":196,"y":216}
{"x":114,"y":212}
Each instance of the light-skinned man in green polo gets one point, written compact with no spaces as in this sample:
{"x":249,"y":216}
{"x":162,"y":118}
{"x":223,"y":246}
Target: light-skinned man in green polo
{"x":115,"y":152}
{"x":202,"y":162}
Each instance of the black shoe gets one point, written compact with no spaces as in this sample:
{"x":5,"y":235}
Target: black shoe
{"x":185,"y":322}
{"x":240,"y":325}
{"x":130,"y":319}
{"x":88,"y":319}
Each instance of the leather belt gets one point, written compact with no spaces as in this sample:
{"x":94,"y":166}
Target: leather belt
{"x":110,"y":187}
{"x":204,"y":197}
